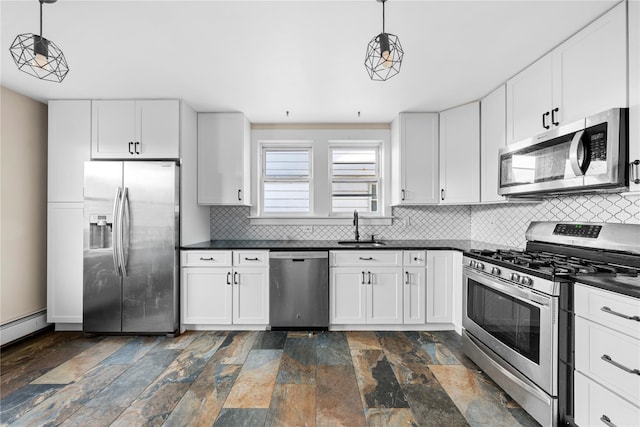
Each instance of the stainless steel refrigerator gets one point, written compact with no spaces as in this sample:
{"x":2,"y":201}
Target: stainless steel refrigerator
{"x":131,"y":243}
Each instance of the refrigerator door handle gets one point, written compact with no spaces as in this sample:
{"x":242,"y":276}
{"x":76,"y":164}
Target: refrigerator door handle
{"x":115,"y":232}
{"x":123,"y":218}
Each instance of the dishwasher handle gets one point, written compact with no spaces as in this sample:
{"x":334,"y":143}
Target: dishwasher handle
{"x":299,"y":256}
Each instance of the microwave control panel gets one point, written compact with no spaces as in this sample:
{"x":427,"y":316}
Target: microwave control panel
{"x":597,"y":137}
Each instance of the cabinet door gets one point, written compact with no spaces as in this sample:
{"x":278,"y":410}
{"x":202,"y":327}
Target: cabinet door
{"x":347,"y":295}
{"x":529,"y":96}
{"x":415,"y":159}
{"x":158,"y":129}
{"x":223,"y":157}
{"x":384,"y":296}
{"x":492,"y":139}
{"x":414,"y":295}
{"x":460,"y":154}
{"x":251,"y":296}
{"x":634,"y":93}
{"x":113,"y":127}
{"x":594,"y":403}
{"x":69,"y":147}
{"x":64,"y":262}
{"x":590,"y":69}
{"x":439,"y":286}
{"x":206,"y":296}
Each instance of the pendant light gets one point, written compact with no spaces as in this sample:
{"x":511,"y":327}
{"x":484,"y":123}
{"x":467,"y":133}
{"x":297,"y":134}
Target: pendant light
{"x":38,"y":56}
{"x":384,"y":54}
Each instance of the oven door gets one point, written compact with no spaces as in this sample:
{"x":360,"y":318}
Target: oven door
{"x":517,"y":323}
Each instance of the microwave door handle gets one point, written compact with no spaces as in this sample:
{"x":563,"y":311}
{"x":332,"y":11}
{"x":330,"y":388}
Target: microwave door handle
{"x":574,"y":148}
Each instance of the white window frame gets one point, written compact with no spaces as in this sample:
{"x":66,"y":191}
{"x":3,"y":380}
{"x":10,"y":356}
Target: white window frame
{"x":285,"y":146}
{"x":357,"y":144}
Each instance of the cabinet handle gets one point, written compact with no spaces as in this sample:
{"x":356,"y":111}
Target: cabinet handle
{"x":544,"y":120}
{"x":363,"y":282}
{"x":407,"y":282}
{"x":624,"y":316}
{"x":251,"y":259}
{"x":608,"y":359}
{"x":403,"y":194}
{"x":369,"y":275}
{"x":366,"y":259}
{"x":235,"y":278}
{"x":228,"y":278}
{"x":607,"y":421}
{"x":442,"y":194}
{"x":634,"y":171}
{"x":206,"y":259}
{"x":130,"y":150}
{"x":136,"y":145}
{"x":553,"y":117}
{"x":240,"y":195}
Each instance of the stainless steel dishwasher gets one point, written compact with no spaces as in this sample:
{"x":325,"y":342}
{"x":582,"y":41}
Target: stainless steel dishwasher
{"x":299,"y":290}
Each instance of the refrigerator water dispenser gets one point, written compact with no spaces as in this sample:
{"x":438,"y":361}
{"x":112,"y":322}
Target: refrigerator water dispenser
{"x":100,"y":231}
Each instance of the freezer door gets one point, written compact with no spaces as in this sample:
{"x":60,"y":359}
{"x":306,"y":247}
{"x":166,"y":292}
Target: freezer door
{"x":101,"y":282}
{"x":150,"y":247}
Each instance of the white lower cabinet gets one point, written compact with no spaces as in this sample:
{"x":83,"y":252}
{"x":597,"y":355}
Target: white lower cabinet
{"x":607,"y":348}
{"x":440,"y":285}
{"x":414,"y":295}
{"x":215,"y":292}
{"x":64,"y":262}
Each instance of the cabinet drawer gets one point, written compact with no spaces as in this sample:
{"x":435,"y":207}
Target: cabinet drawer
{"x":603,"y":355}
{"x":206,"y":259}
{"x":608,"y":308}
{"x":251,"y":258}
{"x":593,"y":403}
{"x":362,"y":258}
{"x":414,"y":258}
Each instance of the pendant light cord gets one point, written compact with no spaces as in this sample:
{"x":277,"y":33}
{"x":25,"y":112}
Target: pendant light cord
{"x":383,"y":2}
{"x":41,"y":18}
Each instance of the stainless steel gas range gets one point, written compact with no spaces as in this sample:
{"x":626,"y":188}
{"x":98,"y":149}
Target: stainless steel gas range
{"x":518,"y":308}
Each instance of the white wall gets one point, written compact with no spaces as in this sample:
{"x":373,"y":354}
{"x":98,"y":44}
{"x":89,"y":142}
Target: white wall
{"x":23,"y":206}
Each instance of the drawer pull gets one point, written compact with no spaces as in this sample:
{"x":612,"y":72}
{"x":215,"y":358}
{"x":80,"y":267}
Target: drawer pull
{"x":251,"y":259}
{"x":608,"y":359}
{"x":624,"y":316}
{"x":366,"y":258}
{"x":607,"y":421}
{"x":206,"y":259}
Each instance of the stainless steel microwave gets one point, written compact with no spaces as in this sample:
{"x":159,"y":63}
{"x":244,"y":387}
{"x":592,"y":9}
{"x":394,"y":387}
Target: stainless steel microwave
{"x":586,"y":155}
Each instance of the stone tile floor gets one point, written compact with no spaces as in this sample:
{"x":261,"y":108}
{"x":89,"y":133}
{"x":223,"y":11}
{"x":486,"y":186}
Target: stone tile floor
{"x":250,"y":379}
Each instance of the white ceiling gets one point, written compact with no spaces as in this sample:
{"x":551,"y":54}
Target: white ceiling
{"x":266,"y":57}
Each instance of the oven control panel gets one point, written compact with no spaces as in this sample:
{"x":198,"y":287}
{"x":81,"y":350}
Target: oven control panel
{"x":578,"y":230}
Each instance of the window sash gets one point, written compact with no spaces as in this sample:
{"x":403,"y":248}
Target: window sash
{"x":286,"y":181}
{"x":354,"y":178}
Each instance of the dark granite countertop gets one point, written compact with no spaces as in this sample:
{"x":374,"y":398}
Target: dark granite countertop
{"x":621,"y":284}
{"x":310,"y":245}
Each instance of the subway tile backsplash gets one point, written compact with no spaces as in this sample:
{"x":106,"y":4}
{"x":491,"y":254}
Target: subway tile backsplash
{"x":503,"y":224}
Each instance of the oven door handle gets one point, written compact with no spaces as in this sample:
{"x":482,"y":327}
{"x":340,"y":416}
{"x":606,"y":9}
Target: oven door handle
{"x":514,"y":291}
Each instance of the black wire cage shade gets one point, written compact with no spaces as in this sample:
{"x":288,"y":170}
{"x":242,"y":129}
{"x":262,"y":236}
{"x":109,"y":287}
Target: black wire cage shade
{"x":38,"y":56}
{"x":384,"y":54}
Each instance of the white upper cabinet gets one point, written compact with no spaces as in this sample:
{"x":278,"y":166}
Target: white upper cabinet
{"x":135,"y":129}
{"x":224,"y":176}
{"x":493,"y":121}
{"x":414,"y":157}
{"x":634,"y":95}
{"x":460,"y":154}
{"x":585,"y":75}
{"x":68,"y":149}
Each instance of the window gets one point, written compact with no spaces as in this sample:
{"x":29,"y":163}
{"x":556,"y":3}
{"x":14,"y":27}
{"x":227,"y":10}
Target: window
{"x":286,"y":180}
{"x":355,"y":178}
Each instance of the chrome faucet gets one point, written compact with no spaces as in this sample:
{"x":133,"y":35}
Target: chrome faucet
{"x":355,"y":222}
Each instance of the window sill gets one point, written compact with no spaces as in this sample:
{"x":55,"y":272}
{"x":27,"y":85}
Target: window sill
{"x":318,"y":220}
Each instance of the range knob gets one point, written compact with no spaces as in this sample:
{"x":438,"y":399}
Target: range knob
{"x":480,"y":266}
{"x":527,"y":281}
{"x":515,"y":277}
{"x":472,"y":263}
{"x":495,"y":271}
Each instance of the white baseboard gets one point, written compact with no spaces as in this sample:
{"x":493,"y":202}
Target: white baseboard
{"x":23,"y":327}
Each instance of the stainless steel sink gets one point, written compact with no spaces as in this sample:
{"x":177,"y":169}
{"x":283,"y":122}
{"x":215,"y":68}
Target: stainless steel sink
{"x":363,"y":243}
